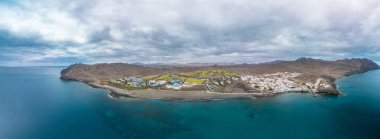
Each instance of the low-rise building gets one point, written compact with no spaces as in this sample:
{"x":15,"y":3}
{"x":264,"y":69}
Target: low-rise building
{"x":187,"y":84}
{"x":210,"y":87}
{"x":154,"y":83}
{"x":117,"y":82}
{"x":175,"y":80}
{"x":134,"y":79}
{"x":137,"y":84}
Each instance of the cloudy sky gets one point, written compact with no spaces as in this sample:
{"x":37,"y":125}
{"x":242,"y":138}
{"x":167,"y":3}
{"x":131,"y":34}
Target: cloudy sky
{"x":60,"y":32}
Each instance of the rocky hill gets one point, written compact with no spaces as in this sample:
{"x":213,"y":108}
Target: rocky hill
{"x":109,"y":71}
{"x":311,"y":66}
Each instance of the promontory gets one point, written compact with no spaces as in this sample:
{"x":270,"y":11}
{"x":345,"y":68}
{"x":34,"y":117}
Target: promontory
{"x":206,"y":81}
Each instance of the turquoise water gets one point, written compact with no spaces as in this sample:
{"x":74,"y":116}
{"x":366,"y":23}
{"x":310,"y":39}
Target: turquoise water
{"x":35,"y":104}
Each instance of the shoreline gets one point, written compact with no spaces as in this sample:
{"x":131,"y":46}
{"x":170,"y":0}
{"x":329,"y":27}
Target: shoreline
{"x":176,"y":95}
{"x":190,"y":95}
{"x":306,"y":75}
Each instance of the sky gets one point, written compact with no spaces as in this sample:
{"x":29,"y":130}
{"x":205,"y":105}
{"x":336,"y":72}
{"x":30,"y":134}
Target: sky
{"x":62,"y":32}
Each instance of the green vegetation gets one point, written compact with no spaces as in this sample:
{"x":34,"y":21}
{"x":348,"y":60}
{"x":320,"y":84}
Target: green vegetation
{"x":164,"y":77}
{"x":174,"y":76}
{"x":130,"y":87}
{"x":227,"y":72}
{"x":182,"y":78}
{"x":209,"y":73}
{"x":189,"y":74}
{"x":215,"y":77}
{"x":194,"y":80}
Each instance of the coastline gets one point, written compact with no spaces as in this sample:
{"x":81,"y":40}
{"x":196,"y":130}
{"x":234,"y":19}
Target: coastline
{"x":304,"y":75}
{"x":176,"y":95}
{"x":192,"y":95}
{"x":338,"y":79}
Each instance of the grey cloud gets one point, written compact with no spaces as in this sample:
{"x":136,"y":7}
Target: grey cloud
{"x":240,"y":31}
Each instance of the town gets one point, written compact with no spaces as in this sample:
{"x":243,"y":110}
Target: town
{"x":218,"y":80}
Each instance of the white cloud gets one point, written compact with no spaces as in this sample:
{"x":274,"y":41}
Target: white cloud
{"x":53,"y":25}
{"x":196,"y":30}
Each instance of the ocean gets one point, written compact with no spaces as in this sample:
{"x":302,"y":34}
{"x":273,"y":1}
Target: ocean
{"x":36,"y":104}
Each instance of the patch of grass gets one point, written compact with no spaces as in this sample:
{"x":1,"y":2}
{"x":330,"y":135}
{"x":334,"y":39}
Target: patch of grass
{"x":164,"y":77}
{"x":182,"y":78}
{"x":194,"y":80}
{"x":206,"y":73}
{"x":174,"y":76}
{"x":128,"y":87}
{"x":209,"y":73}
{"x":190,"y":74}
{"x":227,"y":72}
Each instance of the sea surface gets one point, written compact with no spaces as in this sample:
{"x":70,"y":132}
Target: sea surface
{"x":36,"y":104}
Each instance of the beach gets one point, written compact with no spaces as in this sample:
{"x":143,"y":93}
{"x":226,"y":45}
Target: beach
{"x":175,"y":95}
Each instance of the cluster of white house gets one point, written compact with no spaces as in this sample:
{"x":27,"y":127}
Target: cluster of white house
{"x":283,"y":82}
{"x":213,"y":83}
{"x":132,"y":81}
{"x":276,"y":82}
